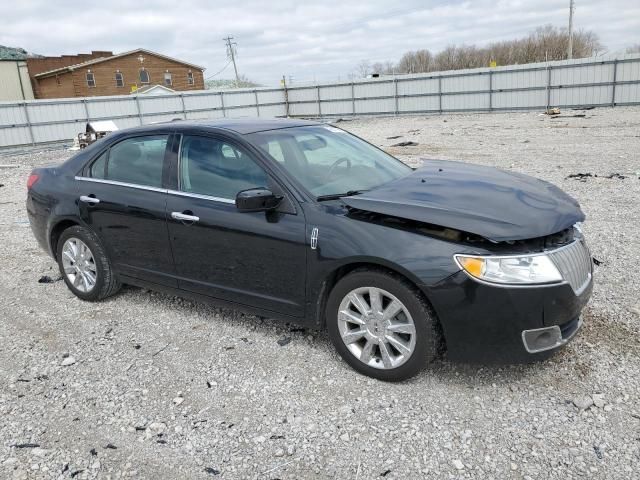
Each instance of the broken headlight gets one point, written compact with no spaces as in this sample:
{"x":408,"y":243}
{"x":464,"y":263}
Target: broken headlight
{"x":510,"y":270}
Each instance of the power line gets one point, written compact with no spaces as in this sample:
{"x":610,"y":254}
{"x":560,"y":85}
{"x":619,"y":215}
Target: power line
{"x":219,"y":71}
{"x":231,"y":46}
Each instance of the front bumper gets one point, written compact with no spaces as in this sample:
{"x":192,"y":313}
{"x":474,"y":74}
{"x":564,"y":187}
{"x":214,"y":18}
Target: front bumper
{"x":485,"y":323}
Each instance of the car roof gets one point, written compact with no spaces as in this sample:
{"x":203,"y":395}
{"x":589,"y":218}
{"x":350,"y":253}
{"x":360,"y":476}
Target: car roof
{"x":241,"y":126}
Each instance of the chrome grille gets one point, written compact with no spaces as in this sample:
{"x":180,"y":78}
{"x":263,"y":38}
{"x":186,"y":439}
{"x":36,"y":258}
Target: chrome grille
{"x":574,"y":263}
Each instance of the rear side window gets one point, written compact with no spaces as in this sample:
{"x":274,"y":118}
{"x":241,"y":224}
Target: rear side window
{"x":213,"y":167}
{"x":99,"y":167}
{"x":136,"y":160}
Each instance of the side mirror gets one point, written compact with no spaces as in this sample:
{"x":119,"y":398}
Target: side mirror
{"x":257,"y":200}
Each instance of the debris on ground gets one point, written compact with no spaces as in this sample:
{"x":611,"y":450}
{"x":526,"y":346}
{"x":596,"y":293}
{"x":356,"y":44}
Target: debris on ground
{"x":405,"y":144}
{"x":553,"y":111}
{"x":284,"y":341}
{"x":597,"y":262}
{"x":26,"y":445}
{"x":393,"y":137}
{"x":48,"y":279}
{"x":581,"y":176}
{"x":577,"y":115}
{"x":582,"y":402}
{"x":211,"y":471}
{"x":67,"y":361}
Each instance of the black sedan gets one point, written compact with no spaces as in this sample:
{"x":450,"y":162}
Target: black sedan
{"x":308,"y":223}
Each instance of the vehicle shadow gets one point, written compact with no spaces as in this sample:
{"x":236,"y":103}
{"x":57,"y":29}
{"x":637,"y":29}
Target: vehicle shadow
{"x":441,"y":370}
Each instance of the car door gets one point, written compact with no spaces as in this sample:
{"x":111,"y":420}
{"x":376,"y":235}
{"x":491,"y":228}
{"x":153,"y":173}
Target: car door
{"x":252,"y":258}
{"x":122,"y":198}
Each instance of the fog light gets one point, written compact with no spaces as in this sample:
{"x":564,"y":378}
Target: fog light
{"x":541,"y":339}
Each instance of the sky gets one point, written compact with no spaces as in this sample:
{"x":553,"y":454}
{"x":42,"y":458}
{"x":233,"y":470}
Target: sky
{"x":304,"y":40}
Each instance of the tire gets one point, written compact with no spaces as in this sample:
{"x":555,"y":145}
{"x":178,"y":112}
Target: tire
{"x":379,"y":361}
{"x":106,"y":283}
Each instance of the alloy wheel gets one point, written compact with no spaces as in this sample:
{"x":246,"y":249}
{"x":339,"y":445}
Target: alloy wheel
{"x":376,"y":327}
{"x":79,"y":265}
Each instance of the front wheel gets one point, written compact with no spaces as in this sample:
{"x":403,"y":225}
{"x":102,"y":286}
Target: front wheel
{"x":381,"y":325}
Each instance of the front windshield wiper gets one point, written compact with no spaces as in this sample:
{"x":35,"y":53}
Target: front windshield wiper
{"x":334,"y":196}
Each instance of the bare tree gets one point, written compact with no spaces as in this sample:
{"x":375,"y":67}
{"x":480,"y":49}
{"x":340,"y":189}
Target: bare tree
{"x":634,"y":48}
{"x":364,"y":68}
{"x":547,"y":42}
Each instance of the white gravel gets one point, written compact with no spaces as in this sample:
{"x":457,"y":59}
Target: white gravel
{"x":150,"y":386}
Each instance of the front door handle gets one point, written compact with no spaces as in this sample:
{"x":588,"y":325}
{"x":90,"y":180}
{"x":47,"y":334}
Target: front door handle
{"x":88,"y":199}
{"x":184,"y":217}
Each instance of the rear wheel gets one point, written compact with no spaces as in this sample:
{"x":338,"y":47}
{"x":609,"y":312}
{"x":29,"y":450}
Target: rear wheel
{"x":84,"y":265}
{"x":381,"y":325}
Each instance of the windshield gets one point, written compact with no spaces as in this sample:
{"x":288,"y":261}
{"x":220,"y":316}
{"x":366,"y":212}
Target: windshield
{"x":329,"y":161}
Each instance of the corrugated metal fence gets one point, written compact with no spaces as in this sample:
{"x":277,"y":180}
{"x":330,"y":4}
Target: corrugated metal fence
{"x":601,"y":81}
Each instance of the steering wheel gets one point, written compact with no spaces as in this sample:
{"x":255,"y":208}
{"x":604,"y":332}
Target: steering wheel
{"x":338,"y":162}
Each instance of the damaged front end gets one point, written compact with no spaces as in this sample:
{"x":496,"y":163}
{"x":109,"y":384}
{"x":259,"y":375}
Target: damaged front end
{"x":522,"y":269}
{"x":554,"y":240}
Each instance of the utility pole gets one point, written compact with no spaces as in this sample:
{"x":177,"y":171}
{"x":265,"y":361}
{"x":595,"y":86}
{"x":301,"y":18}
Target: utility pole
{"x":231,"y":53}
{"x":570,"y":45}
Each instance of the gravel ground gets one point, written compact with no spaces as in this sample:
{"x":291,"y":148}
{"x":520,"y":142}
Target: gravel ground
{"x":151,"y":386}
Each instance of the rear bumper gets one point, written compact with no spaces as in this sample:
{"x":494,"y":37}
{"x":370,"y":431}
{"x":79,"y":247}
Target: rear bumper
{"x":38,"y":220}
{"x":486,"y":323}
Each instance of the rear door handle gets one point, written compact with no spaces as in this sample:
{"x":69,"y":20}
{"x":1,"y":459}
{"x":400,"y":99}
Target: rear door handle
{"x":184,"y":217}
{"x":87,"y":199}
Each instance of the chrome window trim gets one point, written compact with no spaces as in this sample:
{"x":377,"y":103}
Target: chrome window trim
{"x":155,"y":189}
{"x":202,"y":197}
{"x":121,"y":184}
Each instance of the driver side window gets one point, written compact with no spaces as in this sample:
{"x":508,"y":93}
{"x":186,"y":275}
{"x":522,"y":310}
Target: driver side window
{"x":210,"y":166}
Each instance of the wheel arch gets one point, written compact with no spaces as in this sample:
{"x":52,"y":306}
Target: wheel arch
{"x":339,"y":272}
{"x":55,"y":232}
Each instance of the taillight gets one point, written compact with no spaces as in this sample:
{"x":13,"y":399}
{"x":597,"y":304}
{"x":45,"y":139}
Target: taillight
{"x":33,"y":178}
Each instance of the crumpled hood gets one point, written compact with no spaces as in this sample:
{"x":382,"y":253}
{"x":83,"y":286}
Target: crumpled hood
{"x":486,"y":201}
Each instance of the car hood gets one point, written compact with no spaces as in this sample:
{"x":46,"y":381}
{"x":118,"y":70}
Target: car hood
{"x":492,"y":203}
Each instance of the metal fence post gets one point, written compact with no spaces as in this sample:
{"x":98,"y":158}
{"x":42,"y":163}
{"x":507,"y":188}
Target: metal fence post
{"x":139,"y":109}
{"x":490,"y":90}
{"x":353,"y":99}
{"x":224,"y":113}
{"x":255,"y":93}
{"x":318,"y":100}
{"x":184,"y":109}
{"x":440,"y":94}
{"x":548,"y":86}
{"x":395,"y":95}
{"x":613,"y":89}
{"x":26,"y":114}
{"x":86,"y":109}
{"x":286,"y":96}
